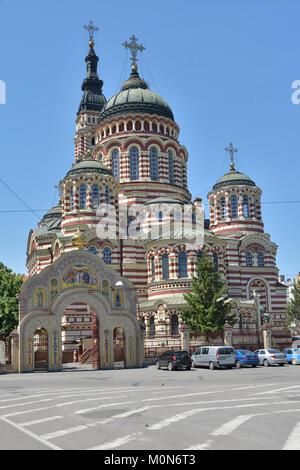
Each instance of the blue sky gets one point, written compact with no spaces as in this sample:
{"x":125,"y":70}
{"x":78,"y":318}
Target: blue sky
{"x":224,"y":66}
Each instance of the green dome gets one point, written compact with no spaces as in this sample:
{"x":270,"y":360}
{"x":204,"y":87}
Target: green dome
{"x":88,"y":166}
{"x":136,"y":97}
{"x":53,"y":213}
{"x":233,"y":178}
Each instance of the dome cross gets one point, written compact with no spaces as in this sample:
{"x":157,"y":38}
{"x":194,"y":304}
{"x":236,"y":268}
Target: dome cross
{"x":134,"y":47}
{"x":91,"y":29}
{"x":231,"y":151}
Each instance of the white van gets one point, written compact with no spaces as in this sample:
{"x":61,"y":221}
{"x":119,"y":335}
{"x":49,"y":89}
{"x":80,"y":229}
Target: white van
{"x":214,"y":356}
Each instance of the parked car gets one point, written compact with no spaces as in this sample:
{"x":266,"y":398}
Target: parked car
{"x":214,"y":356}
{"x":174,"y":360}
{"x":292,"y":355}
{"x":269,"y":357}
{"x":244,"y":357}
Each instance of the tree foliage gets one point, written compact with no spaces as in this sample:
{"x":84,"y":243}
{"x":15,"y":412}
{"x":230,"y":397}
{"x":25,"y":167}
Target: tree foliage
{"x":207,"y":309}
{"x":293,"y":306}
{"x":10,"y":285}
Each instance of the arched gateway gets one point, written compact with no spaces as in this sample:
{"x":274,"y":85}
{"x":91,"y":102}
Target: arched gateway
{"x":78,"y":276}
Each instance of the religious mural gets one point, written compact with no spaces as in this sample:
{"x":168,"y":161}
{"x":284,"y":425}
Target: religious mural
{"x":105,"y":289}
{"x":53,"y":288}
{"x":40,"y":299}
{"x":78,"y":276}
{"x":117,"y":299}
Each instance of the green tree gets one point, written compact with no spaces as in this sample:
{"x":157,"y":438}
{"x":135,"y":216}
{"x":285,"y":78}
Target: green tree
{"x":10,"y":285}
{"x":293,"y":306}
{"x":208,"y":310}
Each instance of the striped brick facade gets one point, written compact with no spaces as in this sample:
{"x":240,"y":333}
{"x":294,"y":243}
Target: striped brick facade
{"x":229,"y":239}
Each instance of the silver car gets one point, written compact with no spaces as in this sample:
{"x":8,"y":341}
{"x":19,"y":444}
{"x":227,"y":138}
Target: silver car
{"x":269,"y":357}
{"x":214,"y":356}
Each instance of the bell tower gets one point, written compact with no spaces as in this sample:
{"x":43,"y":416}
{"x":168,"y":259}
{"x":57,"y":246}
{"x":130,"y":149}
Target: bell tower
{"x":92,"y":101}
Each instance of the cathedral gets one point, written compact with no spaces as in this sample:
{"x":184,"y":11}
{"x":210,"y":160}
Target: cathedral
{"x":118,"y":232}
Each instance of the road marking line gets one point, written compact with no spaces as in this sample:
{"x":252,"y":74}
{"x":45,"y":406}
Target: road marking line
{"x":269,"y":392}
{"x":117,"y":443}
{"x":24,"y":404}
{"x":124,"y":415}
{"x":255,"y":386}
{"x":203,"y":446}
{"x":31,"y":434}
{"x":231,"y":425}
{"x":87,"y":399}
{"x":182,"y":395}
{"x":16,"y":413}
{"x":37,"y":421}
{"x":79,"y":412}
{"x":63,"y":432}
{"x":293,"y":441}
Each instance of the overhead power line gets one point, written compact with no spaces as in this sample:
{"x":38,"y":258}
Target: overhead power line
{"x":19,"y":198}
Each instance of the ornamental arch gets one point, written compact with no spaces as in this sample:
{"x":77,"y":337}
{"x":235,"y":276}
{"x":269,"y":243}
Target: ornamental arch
{"x":79,"y":277}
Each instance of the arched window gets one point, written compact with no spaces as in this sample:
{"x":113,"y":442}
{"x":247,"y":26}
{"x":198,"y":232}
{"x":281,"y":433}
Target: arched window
{"x":115,"y":163}
{"x":153,"y":164}
{"x":152,"y":269}
{"x":165,"y":266}
{"x":174,"y":324}
{"x":216,"y":261}
{"x":82,"y":196}
{"x":107,"y":255}
{"x":182,"y":264}
{"x":234,"y":206}
{"x":249,"y":258}
{"x":261,"y":259}
{"x":171,"y":166}
{"x":71,"y":199}
{"x":92,"y":249}
{"x":223,"y":207}
{"x":246,"y":206}
{"x":134,"y":163}
{"x":152,"y":326}
{"x":99,"y":157}
{"x":95,"y":196}
{"x":160,"y":215}
{"x":106,"y":195}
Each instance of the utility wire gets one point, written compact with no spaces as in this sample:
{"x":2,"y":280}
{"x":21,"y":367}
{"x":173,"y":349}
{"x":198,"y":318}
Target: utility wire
{"x":205,"y":204}
{"x":19,"y":198}
{"x":151,"y":76}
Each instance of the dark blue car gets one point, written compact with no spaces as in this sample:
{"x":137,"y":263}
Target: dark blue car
{"x":244,"y":357}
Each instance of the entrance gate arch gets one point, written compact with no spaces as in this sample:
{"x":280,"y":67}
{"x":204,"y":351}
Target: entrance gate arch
{"x":40,"y":309}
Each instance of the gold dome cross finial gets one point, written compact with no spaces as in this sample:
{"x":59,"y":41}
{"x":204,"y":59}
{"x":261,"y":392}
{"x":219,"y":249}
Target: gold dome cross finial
{"x":231,"y":151}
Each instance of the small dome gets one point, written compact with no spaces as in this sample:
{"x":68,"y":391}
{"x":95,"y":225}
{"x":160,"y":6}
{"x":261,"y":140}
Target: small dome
{"x":135,"y":97}
{"x":88,"y":166}
{"x":53,"y":213}
{"x":233,"y":178}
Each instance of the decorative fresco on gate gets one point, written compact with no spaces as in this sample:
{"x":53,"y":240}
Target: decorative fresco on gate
{"x":40,"y":298}
{"x":78,"y":276}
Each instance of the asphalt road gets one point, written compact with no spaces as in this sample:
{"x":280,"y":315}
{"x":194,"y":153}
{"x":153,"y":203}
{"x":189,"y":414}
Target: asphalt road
{"x":145,"y":409}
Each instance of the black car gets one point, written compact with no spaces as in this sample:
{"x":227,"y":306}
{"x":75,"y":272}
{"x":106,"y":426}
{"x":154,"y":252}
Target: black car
{"x":174,"y":360}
